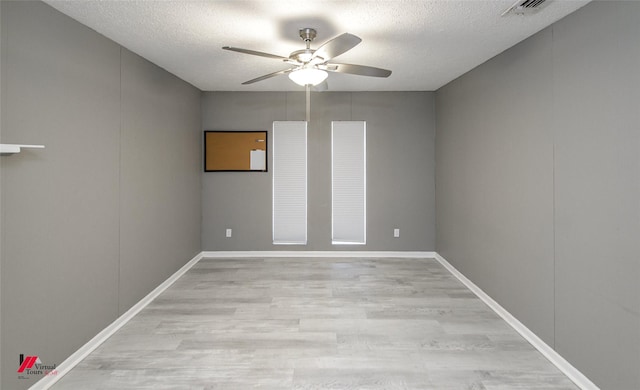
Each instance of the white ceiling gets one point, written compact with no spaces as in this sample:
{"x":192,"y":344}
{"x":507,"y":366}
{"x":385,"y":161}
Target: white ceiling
{"x":425,"y":43}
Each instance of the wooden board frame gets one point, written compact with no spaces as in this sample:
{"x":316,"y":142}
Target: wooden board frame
{"x":230,"y":151}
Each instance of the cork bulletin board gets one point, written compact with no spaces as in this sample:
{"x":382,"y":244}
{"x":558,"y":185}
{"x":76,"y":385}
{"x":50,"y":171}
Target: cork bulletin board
{"x":235,"y":151}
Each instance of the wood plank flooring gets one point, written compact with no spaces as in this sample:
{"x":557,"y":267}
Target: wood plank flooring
{"x":316,"y":323}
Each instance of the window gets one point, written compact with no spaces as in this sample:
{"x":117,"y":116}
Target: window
{"x":290,"y":182}
{"x":348,"y":182}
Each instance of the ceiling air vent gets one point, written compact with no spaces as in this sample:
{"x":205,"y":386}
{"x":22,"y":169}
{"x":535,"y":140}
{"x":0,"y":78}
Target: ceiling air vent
{"x":523,"y":7}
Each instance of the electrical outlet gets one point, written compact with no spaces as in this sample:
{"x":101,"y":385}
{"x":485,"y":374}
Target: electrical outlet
{"x":396,"y":232}
{"x":229,"y":231}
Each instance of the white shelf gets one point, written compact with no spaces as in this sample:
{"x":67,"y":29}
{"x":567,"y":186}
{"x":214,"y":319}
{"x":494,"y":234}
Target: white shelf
{"x":9,"y":149}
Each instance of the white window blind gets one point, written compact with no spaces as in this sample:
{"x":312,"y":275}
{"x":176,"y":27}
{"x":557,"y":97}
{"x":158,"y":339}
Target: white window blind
{"x":290,"y":182}
{"x":348,"y":182}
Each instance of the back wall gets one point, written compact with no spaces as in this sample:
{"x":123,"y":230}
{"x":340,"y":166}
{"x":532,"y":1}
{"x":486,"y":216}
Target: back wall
{"x":400,"y":169}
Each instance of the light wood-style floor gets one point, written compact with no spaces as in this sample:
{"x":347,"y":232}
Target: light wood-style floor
{"x":305,"y":323}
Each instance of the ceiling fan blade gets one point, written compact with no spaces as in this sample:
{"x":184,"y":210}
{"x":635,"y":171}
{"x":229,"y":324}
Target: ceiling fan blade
{"x":255,"y":53}
{"x":268,"y":76}
{"x":361,"y":70}
{"x":336,"y":46}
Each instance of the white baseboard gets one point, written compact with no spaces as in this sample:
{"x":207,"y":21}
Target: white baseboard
{"x":554,"y":357}
{"x":73,"y":360}
{"x":363,"y":254}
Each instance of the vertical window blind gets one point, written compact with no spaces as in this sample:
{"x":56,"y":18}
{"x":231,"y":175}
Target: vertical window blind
{"x":289,"y":182}
{"x":348,"y":182}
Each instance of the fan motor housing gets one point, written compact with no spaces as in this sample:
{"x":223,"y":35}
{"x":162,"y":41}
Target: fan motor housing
{"x":307,"y":34}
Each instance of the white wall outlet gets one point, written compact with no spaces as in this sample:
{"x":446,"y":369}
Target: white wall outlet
{"x":396,"y":232}
{"x":228,"y":233}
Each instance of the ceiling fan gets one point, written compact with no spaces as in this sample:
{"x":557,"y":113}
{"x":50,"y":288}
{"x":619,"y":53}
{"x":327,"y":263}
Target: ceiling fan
{"x":309,"y":66}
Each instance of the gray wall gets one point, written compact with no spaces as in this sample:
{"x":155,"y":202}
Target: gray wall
{"x":111,"y":207}
{"x":400,"y":169}
{"x":2,"y":76}
{"x":538,"y":181}
{"x":159,"y":177}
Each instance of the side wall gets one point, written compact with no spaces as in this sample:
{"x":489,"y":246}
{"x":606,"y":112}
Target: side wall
{"x":111,"y":207}
{"x":400,"y":169}
{"x":538,"y":181}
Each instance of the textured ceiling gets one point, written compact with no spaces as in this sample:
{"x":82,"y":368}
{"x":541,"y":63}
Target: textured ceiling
{"x":425,"y":43}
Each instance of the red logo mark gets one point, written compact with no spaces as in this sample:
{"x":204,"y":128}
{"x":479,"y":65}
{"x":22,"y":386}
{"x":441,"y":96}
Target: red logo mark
{"x":28,"y":363}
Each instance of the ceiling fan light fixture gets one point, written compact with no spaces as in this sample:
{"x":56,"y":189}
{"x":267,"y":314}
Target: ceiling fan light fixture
{"x":308,"y":67}
{"x":308,"y":76}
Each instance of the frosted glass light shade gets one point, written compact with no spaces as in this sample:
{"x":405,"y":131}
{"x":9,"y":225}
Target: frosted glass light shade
{"x":308,"y":76}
